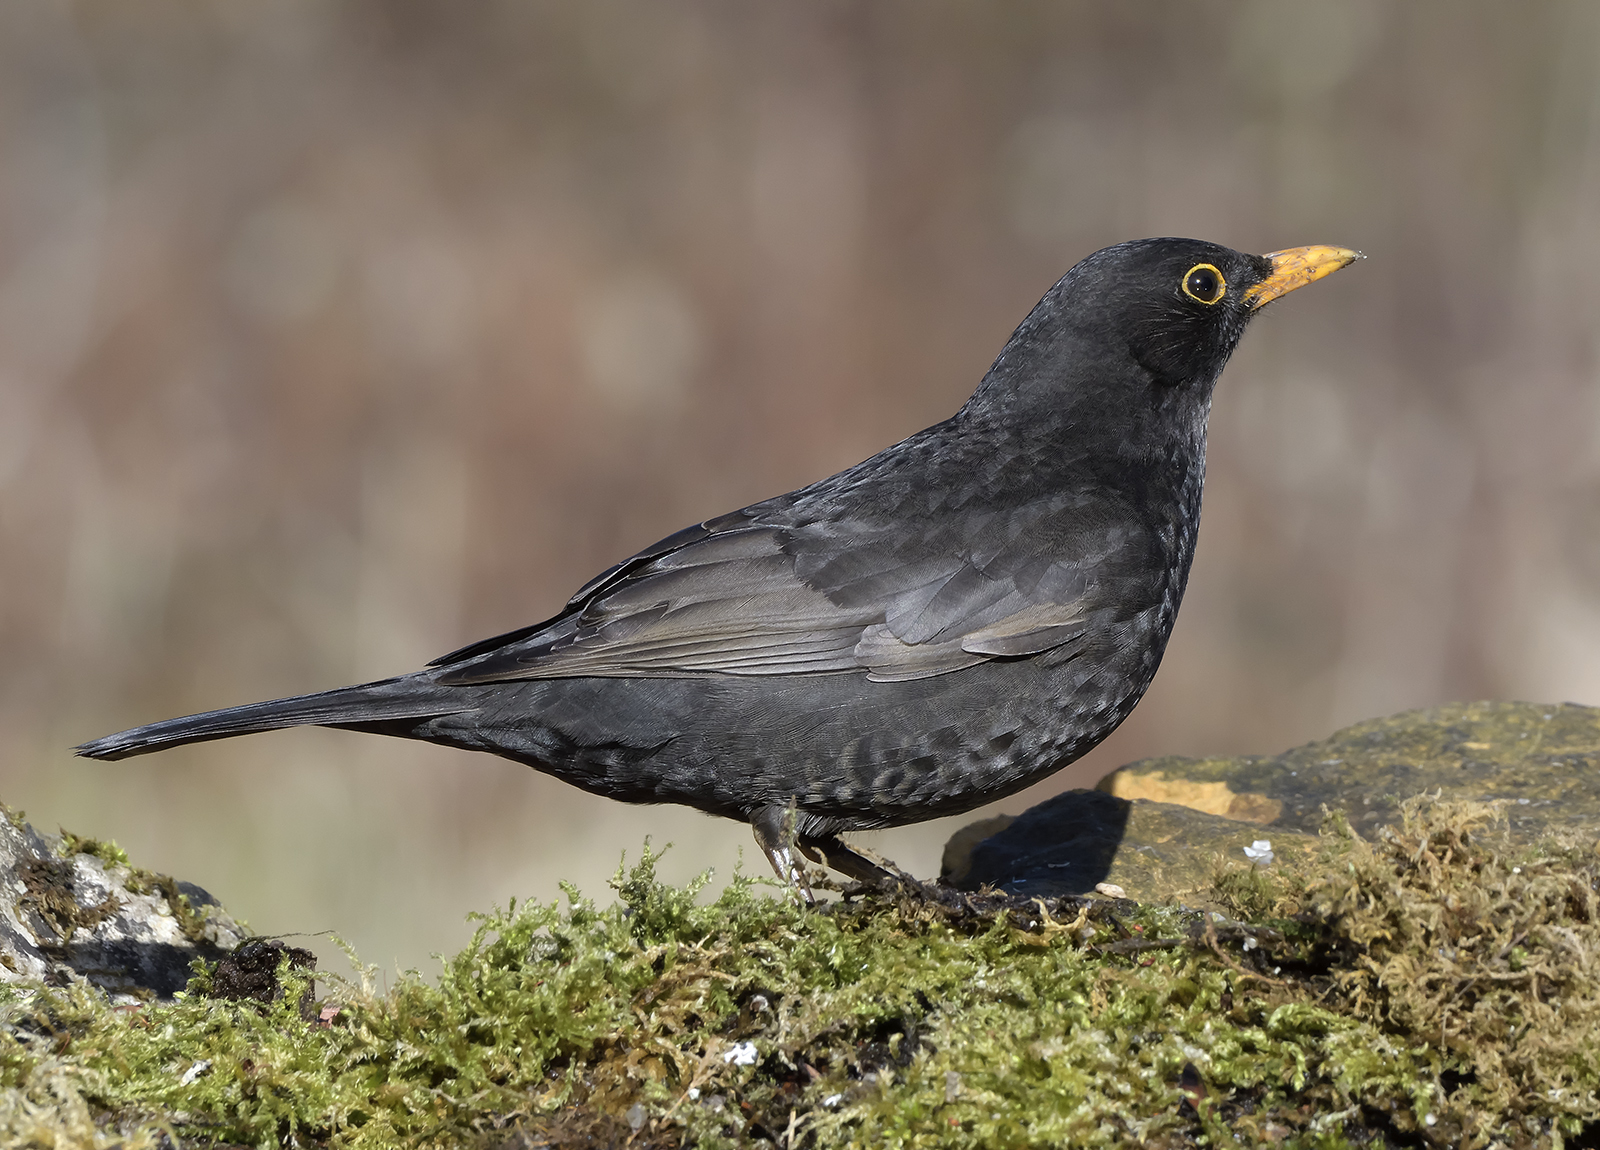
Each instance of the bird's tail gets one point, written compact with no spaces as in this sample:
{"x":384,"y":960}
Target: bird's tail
{"x":388,"y":700}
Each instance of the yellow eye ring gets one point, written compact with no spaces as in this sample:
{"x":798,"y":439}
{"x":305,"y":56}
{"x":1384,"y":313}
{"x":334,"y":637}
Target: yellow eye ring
{"x":1203,"y":283}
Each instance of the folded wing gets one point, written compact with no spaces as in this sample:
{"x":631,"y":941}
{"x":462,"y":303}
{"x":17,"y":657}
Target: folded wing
{"x":736,"y":598}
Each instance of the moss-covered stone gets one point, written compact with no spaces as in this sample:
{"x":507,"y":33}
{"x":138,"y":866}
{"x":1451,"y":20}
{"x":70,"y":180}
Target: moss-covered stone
{"x":1428,"y":983}
{"x":1161,"y":828}
{"x":1542,"y":760}
{"x":1083,"y":841}
{"x":1420,"y":989}
{"x":72,"y":908}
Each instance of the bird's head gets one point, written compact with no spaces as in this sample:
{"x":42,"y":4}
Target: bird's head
{"x":1180,"y":306}
{"x":1148,"y":323}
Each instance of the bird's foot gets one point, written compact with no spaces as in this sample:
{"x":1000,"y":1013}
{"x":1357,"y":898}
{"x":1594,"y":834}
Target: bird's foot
{"x":857,"y":862}
{"x":774,"y":828}
{"x":774,"y":831}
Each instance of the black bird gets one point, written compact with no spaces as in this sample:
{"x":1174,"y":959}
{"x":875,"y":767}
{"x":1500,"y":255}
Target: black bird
{"x":943,"y":624}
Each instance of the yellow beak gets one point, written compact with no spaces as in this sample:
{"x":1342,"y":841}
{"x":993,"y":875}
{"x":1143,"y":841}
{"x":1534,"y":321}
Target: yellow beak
{"x":1296,"y":267}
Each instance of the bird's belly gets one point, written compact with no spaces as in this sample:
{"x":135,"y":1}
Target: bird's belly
{"x":849,"y":752}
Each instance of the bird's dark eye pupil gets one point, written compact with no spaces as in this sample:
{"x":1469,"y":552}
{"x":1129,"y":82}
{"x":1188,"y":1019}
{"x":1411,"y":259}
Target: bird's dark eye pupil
{"x":1203,"y":284}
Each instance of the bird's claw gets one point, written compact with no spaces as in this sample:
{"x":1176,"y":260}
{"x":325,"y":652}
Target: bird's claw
{"x":774,"y":828}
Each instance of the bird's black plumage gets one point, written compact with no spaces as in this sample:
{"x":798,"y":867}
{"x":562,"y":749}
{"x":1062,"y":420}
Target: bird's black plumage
{"x":943,"y":624}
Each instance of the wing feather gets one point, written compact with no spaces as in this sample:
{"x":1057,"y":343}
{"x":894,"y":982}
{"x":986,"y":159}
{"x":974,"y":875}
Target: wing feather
{"x":763,"y":599}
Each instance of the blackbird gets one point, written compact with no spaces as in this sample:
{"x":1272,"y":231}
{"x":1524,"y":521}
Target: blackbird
{"x":941,"y":625}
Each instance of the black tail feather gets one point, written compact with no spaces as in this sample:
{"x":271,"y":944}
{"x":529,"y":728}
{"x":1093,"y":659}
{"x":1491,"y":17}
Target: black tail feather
{"x":407,"y":697}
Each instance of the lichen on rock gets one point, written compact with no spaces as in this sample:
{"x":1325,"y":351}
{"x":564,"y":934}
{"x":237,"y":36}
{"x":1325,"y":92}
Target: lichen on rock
{"x":72,"y":907}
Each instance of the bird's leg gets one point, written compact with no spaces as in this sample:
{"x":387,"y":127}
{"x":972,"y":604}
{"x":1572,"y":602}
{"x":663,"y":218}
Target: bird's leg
{"x":774,"y":829}
{"x":847,"y":861}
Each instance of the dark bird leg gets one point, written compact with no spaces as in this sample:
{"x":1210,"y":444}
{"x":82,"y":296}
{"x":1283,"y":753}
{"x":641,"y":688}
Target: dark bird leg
{"x":774,"y":828}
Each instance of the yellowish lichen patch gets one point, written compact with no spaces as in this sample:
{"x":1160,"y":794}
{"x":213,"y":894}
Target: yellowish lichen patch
{"x":1211,"y":797}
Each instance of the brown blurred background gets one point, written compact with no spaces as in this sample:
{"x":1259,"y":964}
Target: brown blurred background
{"x":335,"y":335}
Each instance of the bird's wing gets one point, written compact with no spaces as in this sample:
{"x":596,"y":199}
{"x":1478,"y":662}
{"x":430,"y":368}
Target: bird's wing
{"x":733,"y":597}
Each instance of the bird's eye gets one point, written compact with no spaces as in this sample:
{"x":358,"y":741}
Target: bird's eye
{"x":1204,"y":283}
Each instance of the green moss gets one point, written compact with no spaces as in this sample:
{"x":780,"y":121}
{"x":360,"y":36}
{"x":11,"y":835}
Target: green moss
{"x":1343,"y":1002}
{"x":191,"y":920}
{"x":47,"y":892}
{"x":106,"y":851}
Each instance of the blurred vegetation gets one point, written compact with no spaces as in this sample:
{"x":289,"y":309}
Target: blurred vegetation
{"x":1423,"y":988}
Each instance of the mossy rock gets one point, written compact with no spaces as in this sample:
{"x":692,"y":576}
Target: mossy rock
{"x":1429,"y":983}
{"x":1159,"y":829}
{"x":72,"y":908}
{"x":1084,"y":842}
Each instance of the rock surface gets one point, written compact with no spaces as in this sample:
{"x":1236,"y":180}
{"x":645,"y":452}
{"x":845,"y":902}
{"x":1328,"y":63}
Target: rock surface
{"x":1160,"y":828}
{"x":73,"y":908}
